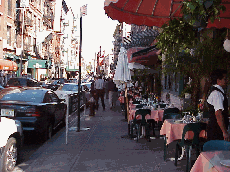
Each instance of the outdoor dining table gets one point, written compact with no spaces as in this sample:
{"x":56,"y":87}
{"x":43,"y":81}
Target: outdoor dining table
{"x":210,"y":161}
{"x":173,"y":130}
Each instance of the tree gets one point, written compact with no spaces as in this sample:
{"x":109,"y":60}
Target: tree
{"x":190,"y":48}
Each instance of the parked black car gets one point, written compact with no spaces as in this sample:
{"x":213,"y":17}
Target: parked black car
{"x":22,"y":82}
{"x":38,"y":109}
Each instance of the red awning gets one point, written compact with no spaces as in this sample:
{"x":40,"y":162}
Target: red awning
{"x":155,"y":12}
{"x":132,"y":50}
{"x":148,"y":59}
{"x":8,"y":65}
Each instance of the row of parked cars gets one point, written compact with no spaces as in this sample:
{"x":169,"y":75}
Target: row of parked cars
{"x":27,"y":107}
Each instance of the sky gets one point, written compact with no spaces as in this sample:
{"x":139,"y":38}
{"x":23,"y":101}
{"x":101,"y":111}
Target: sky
{"x":97,"y":28}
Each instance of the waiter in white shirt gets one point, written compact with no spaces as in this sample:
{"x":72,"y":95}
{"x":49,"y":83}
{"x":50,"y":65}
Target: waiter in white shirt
{"x":218,"y":107}
{"x":99,"y":86}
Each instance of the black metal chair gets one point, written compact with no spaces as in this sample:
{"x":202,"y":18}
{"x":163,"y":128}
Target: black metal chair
{"x":139,"y":106}
{"x":171,"y":110}
{"x":136,"y":102}
{"x":196,"y":142}
{"x":139,"y":123}
{"x":162,"y":105}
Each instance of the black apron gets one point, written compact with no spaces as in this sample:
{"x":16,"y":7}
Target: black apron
{"x":213,"y":130}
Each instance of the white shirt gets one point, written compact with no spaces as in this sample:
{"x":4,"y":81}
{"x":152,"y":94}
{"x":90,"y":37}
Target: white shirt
{"x":99,"y":84}
{"x":216,"y":98}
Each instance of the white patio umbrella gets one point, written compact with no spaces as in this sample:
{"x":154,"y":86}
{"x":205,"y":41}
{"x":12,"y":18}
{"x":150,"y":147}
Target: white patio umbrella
{"x":122,"y":74}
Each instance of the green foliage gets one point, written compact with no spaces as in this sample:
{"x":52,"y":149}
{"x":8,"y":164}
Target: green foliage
{"x":180,"y":36}
{"x":187,"y":89}
{"x":197,"y":12}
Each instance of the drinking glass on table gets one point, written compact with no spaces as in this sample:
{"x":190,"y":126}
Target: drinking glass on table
{"x":186,"y":118}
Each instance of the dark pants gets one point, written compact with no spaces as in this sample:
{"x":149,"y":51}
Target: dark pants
{"x":100,"y":94}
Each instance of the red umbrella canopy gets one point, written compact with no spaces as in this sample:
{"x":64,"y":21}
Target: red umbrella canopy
{"x":143,"y":12}
{"x":155,"y":12}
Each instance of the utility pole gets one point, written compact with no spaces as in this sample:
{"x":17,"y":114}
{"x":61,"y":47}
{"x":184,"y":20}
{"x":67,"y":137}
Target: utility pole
{"x":79,"y":78}
{"x":83,"y":11}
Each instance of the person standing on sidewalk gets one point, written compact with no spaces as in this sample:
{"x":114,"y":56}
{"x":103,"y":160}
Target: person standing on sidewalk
{"x":111,"y":87}
{"x":115,"y":95}
{"x":106,"y":88}
{"x":100,"y":91}
{"x":218,"y":107}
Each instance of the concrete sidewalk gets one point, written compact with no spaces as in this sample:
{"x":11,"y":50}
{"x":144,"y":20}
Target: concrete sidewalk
{"x":101,"y":148}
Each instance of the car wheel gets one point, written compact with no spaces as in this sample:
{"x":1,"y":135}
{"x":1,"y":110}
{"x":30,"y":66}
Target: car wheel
{"x":10,"y":154}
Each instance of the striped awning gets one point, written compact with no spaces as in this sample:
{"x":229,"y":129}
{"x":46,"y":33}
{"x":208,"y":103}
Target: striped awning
{"x":141,"y":38}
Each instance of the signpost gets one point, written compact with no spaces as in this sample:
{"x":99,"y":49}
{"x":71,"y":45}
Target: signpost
{"x":83,"y":12}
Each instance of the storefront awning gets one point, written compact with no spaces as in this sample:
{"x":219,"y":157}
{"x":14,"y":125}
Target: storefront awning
{"x":41,"y":64}
{"x":132,"y":50}
{"x":148,"y":56}
{"x":8,"y":65}
{"x":71,"y":70}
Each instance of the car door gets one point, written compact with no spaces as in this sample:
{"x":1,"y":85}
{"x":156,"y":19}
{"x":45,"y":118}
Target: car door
{"x":51,"y":108}
{"x":59,"y":107}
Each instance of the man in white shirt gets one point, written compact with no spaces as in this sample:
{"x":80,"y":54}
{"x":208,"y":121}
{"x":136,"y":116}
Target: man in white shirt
{"x":218,"y":108}
{"x":99,"y":86}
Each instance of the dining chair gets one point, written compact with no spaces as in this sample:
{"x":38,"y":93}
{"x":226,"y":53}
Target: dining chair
{"x":206,"y":114}
{"x":196,"y":142}
{"x":138,"y":124}
{"x":171,"y":110}
{"x":136,"y":102}
{"x":169,"y":116}
{"x":216,"y":145}
{"x":162,"y":105}
{"x":166,"y":111}
{"x":139,"y":106}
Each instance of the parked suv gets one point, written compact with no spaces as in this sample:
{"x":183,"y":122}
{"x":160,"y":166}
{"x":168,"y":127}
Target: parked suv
{"x":22,"y":82}
{"x":10,"y":143}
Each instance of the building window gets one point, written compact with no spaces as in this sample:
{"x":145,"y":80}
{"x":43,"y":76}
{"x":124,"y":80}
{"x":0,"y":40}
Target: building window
{"x":9,"y":35}
{"x":10,"y":7}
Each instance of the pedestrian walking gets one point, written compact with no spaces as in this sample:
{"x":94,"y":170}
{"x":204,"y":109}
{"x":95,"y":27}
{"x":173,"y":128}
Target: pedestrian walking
{"x":106,"y":88}
{"x":100,"y":91}
{"x":218,"y":107}
{"x":111,"y":89}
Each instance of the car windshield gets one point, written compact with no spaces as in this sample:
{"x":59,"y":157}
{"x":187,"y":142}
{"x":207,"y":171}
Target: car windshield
{"x":69,"y":87}
{"x":35,"y":96}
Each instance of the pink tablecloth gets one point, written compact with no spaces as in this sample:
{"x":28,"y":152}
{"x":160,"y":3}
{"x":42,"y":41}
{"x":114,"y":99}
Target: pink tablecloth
{"x":210,"y":162}
{"x":173,"y":131}
{"x":157,"y":115}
